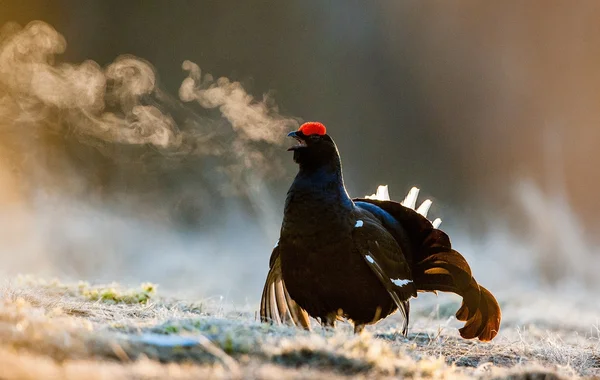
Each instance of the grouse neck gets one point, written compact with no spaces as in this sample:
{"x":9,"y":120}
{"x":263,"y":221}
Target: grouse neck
{"x":323,"y":182}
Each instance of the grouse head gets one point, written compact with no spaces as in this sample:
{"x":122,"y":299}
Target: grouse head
{"x":314,"y":148}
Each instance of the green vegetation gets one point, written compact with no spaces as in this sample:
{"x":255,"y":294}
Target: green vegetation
{"x":111,"y":294}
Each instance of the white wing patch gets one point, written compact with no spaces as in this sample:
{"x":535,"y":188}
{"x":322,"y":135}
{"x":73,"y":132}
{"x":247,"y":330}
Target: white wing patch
{"x":396,"y":281}
{"x":400,"y":282}
{"x":276,"y":244}
{"x":401,"y":304}
{"x":359,"y":223}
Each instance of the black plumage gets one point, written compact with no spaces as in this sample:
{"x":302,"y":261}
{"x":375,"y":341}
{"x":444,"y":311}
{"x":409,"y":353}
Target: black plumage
{"x":360,"y":259}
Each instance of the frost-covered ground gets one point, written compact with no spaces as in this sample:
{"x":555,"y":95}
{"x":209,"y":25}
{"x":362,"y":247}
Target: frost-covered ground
{"x":50,"y":330}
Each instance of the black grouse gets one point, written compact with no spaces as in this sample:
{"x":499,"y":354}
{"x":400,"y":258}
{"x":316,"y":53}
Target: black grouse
{"x":360,"y":259}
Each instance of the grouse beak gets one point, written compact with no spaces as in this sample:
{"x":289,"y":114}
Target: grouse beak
{"x":300,"y":142}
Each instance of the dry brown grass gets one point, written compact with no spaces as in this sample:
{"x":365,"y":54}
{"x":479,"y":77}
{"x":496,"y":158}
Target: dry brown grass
{"x":57,"y":331}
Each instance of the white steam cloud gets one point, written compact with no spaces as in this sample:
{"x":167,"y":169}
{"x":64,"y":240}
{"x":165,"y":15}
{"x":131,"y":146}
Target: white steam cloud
{"x":257,"y":121}
{"x":33,"y":87}
{"x":57,"y":219}
{"x":108,"y":103}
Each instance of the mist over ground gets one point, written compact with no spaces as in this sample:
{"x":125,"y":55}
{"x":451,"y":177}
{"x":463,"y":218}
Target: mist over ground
{"x":146,"y":143}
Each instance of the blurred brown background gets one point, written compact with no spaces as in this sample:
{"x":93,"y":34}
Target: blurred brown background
{"x":475,"y":103}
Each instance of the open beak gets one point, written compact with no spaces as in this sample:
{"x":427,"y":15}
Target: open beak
{"x":300,"y":142}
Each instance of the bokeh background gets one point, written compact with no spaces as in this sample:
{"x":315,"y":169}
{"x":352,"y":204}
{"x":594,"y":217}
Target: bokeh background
{"x":121,"y":160}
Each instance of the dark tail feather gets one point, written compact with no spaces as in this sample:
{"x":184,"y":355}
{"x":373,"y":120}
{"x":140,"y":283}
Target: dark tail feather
{"x":436,"y":266}
{"x":276,"y":305}
{"x":439,"y":267}
{"x":486,"y":322}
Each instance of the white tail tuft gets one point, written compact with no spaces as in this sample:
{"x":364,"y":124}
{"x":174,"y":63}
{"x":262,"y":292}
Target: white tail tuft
{"x":410,"y":201}
{"x":382,"y":194}
{"x":411,"y":198}
{"x":424,"y":207}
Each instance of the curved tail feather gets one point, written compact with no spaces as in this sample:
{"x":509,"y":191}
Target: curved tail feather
{"x":435,"y":266}
{"x":440,"y":267}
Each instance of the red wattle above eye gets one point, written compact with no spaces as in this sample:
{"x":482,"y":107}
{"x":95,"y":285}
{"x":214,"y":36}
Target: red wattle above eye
{"x":312,"y":128}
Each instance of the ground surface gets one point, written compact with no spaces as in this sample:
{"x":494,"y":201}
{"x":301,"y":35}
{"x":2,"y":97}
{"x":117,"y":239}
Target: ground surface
{"x":50,"y":330}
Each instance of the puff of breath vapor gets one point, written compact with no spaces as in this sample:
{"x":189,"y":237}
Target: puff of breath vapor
{"x":34,"y":87}
{"x":107,"y":103}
